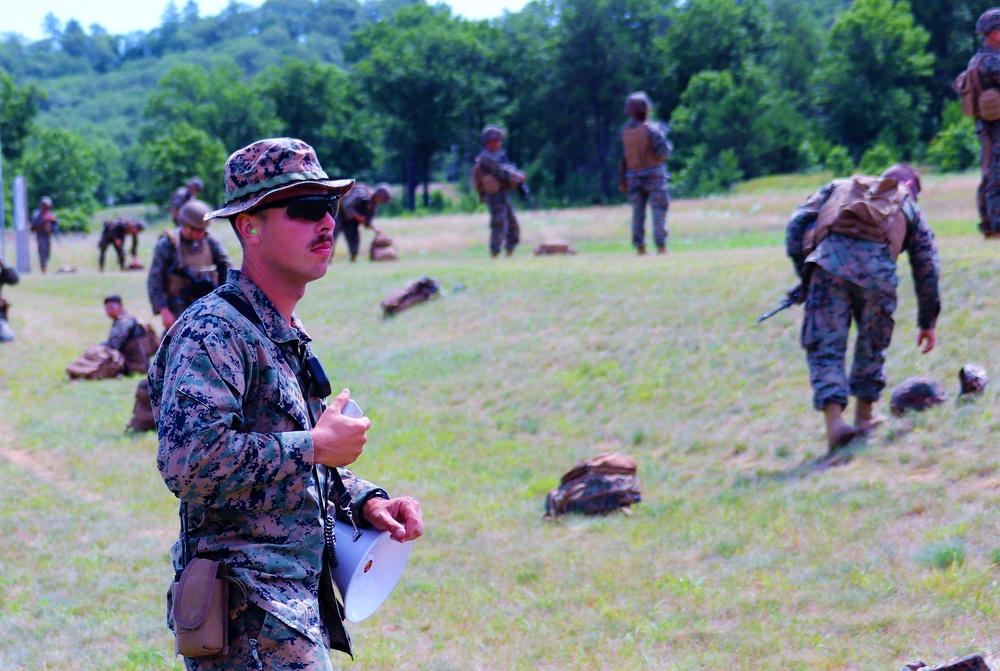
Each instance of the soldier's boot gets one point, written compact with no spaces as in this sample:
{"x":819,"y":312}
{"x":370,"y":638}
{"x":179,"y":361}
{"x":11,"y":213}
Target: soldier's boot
{"x":865,"y":419}
{"x":661,"y":249}
{"x":838,"y":432}
{"x":354,"y":257}
{"x":494,"y":254}
{"x":510,"y":252}
{"x":640,"y":250}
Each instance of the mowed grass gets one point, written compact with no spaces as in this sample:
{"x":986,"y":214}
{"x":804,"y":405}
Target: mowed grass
{"x":738,"y":557}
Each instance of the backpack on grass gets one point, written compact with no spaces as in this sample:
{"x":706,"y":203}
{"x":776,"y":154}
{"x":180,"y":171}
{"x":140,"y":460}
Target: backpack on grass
{"x":142,"y":410}
{"x":97,"y":363}
{"x":415,"y":292}
{"x":597,"y":486}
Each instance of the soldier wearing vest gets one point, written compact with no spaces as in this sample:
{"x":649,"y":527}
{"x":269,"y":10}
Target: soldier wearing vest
{"x":43,"y":224}
{"x":844,"y":248}
{"x":357,"y":209}
{"x":114,"y":234}
{"x":496,"y":176}
{"x":643,"y":171}
{"x":987,"y":64}
{"x":182,"y":195}
{"x":128,"y":336}
{"x":188,"y":263}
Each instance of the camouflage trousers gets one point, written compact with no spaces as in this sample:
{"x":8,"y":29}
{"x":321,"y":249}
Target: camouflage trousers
{"x":831,"y":304}
{"x":651,"y":189}
{"x":259,"y":641}
{"x":988,"y":193}
{"x":44,"y":249}
{"x":350,"y":229}
{"x":504,"y":229}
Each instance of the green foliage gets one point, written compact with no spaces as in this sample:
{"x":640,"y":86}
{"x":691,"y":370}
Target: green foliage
{"x":838,"y":161}
{"x":73,"y":220}
{"x":18,"y":107}
{"x":876,"y":159}
{"x":942,"y":555}
{"x":179,"y":154}
{"x":704,"y":175}
{"x":62,"y":165}
{"x":872,"y":80}
{"x":956,"y":147}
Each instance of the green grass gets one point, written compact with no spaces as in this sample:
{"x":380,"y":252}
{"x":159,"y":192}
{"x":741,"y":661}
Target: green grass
{"x":480,"y":399}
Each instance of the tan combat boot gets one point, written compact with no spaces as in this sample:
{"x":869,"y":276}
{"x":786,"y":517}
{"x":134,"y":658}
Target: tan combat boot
{"x":640,"y":250}
{"x":838,"y":432}
{"x":864,"y":419}
{"x":661,"y":249}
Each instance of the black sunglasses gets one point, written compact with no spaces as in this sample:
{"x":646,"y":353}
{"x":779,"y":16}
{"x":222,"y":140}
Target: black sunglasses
{"x":309,"y":208}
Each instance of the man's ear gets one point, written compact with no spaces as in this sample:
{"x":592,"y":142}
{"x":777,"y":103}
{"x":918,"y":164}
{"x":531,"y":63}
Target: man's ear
{"x":246,"y":226}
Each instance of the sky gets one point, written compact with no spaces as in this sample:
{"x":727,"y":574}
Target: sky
{"x":124,"y":16}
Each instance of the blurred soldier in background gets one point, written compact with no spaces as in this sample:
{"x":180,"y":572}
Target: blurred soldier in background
{"x":7,"y":276}
{"x":187,"y":264}
{"x":183,"y":195}
{"x":643,"y":171}
{"x":128,"y":336}
{"x":114,"y":234}
{"x":493,"y":176}
{"x":358,"y":208}
{"x":848,"y":271}
{"x":44,"y":223}
{"x":985,"y":66}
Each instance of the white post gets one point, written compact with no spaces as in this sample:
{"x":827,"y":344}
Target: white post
{"x":21,"y":224}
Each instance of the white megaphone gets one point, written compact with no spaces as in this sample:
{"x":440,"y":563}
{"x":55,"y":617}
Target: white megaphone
{"x":368,"y":568}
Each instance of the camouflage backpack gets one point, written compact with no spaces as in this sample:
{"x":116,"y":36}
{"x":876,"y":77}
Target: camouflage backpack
{"x":415,"y":292}
{"x":597,"y":486}
{"x":976,"y":102}
{"x":97,"y":363}
{"x":868,"y":208}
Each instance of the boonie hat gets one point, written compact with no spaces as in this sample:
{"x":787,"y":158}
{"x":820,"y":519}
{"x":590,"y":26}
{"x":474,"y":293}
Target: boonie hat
{"x":194,"y":213}
{"x":988,"y":21}
{"x":491,"y":133}
{"x":270,"y":166}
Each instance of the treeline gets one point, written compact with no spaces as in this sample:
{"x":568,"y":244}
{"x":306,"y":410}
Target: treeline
{"x":399,"y":90}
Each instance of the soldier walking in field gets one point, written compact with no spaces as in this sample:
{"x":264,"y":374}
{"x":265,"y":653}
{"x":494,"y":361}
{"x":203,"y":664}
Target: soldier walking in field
{"x":493,"y":176}
{"x":843,"y":243}
{"x":43,"y":224}
{"x":986,"y":64}
{"x":643,"y":171}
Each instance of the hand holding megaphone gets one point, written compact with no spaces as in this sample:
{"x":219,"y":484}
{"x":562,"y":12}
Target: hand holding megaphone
{"x":339,"y":438}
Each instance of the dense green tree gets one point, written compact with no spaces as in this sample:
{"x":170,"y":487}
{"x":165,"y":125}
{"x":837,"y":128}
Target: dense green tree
{"x":175,"y":156}
{"x":18,"y":107}
{"x":417,"y":69}
{"x":62,"y":165}
{"x":872,"y":81}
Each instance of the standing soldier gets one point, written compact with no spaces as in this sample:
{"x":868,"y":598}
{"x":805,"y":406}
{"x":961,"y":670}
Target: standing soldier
{"x":843,"y":243}
{"x":187,"y":264}
{"x":358,"y":208}
{"x":7,"y":276}
{"x":493,"y":176}
{"x":183,"y":195}
{"x":43,"y":225}
{"x":114,"y":234}
{"x":643,"y":171}
{"x":986,"y":65}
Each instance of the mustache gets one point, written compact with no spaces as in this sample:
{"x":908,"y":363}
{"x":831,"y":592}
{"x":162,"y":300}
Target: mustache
{"x":325,"y":238}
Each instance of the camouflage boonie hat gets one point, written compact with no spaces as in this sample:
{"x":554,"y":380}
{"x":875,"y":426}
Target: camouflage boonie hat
{"x":491,"y":133}
{"x":988,"y":21}
{"x":635,"y":99}
{"x":270,"y":166}
{"x":917,"y":393}
{"x":972,"y":379}
{"x":194,"y":214}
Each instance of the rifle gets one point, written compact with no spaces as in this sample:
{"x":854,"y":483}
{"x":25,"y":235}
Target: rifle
{"x":525,"y":192}
{"x":794,"y":295}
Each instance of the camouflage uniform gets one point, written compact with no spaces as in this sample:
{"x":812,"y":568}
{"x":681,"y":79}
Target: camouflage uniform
{"x":850,"y":278}
{"x":358,"y":208}
{"x":234,"y":444}
{"x":988,"y":193}
{"x":114,"y":233}
{"x":182,"y":195}
{"x":43,"y":225}
{"x":504,"y":229}
{"x":128,"y":337}
{"x":647,"y":182}
{"x":165,"y":260}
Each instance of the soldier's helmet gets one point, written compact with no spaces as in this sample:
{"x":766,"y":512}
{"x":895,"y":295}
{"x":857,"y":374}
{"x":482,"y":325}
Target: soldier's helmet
{"x":196,"y":183}
{"x":46,"y":201}
{"x":382,"y":191}
{"x":972,"y":379}
{"x":988,"y":21}
{"x":917,"y":393}
{"x":193,"y":214}
{"x":637,"y":98}
{"x":491,"y":133}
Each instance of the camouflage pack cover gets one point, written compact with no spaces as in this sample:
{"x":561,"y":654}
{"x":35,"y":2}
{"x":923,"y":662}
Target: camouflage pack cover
{"x":597,"y":486}
{"x":415,"y":292}
{"x":553,"y":247}
{"x":382,"y":248}
{"x":972,"y":379}
{"x":96,"y":363}
{"x":917,"y":393}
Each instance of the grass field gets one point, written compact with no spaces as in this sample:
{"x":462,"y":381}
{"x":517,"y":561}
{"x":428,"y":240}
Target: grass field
{"x":737,"y":558}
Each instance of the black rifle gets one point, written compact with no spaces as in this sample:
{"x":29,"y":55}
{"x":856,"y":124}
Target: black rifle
{"x":794,"y":295}
{"x":525,"y":192}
